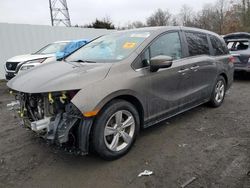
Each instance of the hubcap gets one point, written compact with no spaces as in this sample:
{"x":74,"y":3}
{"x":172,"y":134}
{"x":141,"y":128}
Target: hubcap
{"x":219,"y":91}
{"x":119,"y":130}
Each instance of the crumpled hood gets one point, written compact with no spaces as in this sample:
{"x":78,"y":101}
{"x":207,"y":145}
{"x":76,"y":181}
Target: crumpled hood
{"x":28,"y":57}
{"x":60,"y":76}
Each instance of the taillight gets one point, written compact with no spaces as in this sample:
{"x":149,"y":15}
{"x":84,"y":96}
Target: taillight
{"x":232,"y":59}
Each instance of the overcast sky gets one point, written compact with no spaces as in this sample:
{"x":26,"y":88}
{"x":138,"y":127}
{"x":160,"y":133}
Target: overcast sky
{"x":85,"y":11}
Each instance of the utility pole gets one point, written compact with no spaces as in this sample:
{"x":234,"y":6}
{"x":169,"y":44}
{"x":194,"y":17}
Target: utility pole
{"x":59,"y":13}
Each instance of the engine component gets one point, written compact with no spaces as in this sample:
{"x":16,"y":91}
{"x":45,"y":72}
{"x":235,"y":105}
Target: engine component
{"x":40,"y":124}
{"x":63,"y":97}
{"x":14,"y":105}
{"x":51,"y":100}
{"x":54,"y":118}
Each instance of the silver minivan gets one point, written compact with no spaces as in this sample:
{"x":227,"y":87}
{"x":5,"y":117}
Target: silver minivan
{"x":102,"y":95}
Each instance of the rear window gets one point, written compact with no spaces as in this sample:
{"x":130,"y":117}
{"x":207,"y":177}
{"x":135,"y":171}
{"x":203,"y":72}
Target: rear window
{"x":197,"y":43}
{"x":218,"y":45}
{"x":238,"y":45}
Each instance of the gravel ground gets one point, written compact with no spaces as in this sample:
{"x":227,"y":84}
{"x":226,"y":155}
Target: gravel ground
{"x":212,"y":145}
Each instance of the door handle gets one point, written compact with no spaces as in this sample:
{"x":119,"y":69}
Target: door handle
{"x":195,"y":68}
{"x":183,"y":70}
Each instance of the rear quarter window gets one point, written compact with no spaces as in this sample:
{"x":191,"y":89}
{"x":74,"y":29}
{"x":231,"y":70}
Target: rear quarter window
{"x":197,"y":43}
{"x":219,"y":47}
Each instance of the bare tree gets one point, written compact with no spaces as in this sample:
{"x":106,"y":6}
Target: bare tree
{"x":212,"y":17}
{"x":137,"y":24}
{"x":133,"y":25}
{"x":204,"y":18}
{"x":186,"y":16}
{"x":232,"y":22}
{"x":175,"y":21}
{"x":220,"y":9}
{"x":245,"y":11}
{"x":222,"y":17}
{"x":159,"y":18}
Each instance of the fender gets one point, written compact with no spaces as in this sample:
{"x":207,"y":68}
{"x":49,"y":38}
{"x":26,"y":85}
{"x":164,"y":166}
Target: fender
{"x":118,"y":94}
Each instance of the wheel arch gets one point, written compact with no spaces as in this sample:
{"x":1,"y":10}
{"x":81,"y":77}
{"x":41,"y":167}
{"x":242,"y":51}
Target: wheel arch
{"x":225,"y":77}
{"x":129,"y":97}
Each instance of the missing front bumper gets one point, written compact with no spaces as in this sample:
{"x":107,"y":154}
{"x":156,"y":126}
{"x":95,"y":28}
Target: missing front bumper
{"x":60,"y":128}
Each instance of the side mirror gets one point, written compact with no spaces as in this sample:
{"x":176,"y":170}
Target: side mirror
{"x":160,"y":62}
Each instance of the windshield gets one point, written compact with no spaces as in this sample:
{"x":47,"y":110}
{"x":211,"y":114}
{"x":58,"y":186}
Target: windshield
{"x":110,"y":48}
{"x":52,"y":48}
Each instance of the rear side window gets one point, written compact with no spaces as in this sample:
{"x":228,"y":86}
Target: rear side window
{"x":218,"y":46}
{"x":197,"y":43}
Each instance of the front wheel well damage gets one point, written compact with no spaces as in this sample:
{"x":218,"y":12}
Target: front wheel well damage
{"x":55,"y":118}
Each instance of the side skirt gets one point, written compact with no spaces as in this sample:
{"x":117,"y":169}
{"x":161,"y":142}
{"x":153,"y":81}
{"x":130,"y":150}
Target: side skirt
{"x":153,"y":122}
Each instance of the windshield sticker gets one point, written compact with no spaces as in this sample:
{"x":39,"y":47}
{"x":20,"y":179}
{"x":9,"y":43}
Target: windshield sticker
{"x":140,"y":35}
{"x":129,"y":45}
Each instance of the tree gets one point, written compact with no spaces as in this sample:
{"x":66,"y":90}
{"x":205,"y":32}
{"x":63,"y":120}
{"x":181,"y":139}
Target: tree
{"x":220,"y":11}
{"x":104,"y":23}
{"x":213,"y":17}
{"x":204,"y":19}
{"x":159,"y":18}
{"x":174,"y":21}
{"x":137,"y":24}
{"x":186,"y":16}
{"x":232,"y":22}
{"x":245,"y":17}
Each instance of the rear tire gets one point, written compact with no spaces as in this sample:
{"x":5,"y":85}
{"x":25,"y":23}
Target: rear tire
{"x":115,"y":129}
{"x":219,"y":92}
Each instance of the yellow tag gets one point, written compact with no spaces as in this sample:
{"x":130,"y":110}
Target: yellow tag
{"x":129,"y":45}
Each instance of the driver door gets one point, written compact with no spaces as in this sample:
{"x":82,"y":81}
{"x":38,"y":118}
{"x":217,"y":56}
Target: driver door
{"x":166,"y":87}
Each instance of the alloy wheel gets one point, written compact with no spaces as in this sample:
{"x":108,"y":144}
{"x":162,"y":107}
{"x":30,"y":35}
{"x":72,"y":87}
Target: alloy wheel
{"x":119,"y":130}
{"x":219,"y":91}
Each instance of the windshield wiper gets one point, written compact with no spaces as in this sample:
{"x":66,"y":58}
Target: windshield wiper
{"x":84,"y":61}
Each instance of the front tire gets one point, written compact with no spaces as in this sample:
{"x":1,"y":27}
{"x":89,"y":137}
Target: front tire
{"x":115,"y":129}
{"x":219,"y":92}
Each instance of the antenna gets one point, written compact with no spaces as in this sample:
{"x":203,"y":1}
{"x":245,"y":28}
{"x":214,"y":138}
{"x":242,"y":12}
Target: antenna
{"x":59,"y":13}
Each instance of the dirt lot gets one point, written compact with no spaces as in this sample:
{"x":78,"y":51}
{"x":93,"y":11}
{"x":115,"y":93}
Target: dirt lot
{"x":212,"y":145}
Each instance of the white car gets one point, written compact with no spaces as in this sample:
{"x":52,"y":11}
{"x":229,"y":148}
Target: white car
{"x":21,"y":63}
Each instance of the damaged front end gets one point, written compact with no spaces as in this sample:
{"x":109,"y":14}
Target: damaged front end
{"x":55,"y":118}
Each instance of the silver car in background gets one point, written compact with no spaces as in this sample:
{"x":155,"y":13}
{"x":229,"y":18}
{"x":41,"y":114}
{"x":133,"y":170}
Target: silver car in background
{"x":239,"y":46}
{"x":104,"y":93}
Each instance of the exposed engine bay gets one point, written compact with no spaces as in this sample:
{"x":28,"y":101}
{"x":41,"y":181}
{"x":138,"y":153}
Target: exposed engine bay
{"x":54,"y":117}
